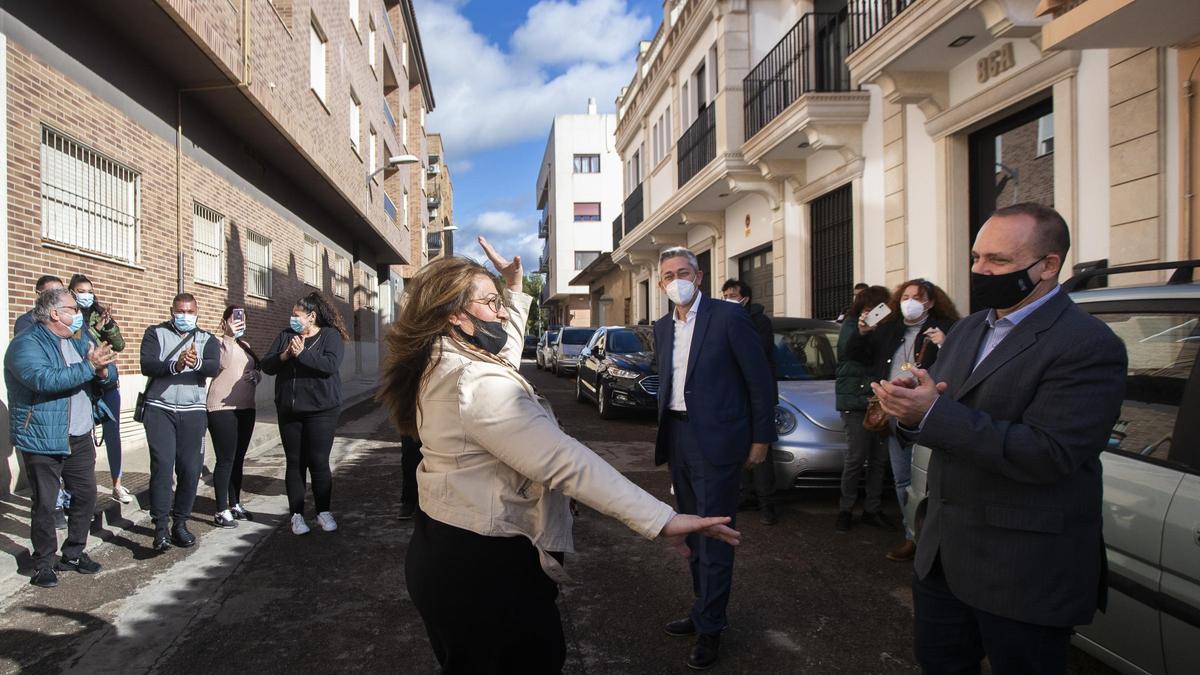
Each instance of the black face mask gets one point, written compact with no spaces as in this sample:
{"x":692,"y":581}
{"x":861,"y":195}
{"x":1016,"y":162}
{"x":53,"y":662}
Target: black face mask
{"x":1001,"y":291}
{"x":489,"y":335}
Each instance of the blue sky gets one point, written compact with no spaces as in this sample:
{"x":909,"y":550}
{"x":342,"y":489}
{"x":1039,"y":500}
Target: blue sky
{"x":500,"y":71}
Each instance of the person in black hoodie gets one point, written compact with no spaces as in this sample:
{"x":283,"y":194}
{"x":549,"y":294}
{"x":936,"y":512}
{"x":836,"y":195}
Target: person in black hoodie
{"x":306,"y":360}
{"x":760,"y":479}
{"x":907,"y":338}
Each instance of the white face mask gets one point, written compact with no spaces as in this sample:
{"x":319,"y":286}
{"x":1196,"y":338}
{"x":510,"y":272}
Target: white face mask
{"x":681,"y":291}
{"x":733,"y":300}
{"x":912,"y":309}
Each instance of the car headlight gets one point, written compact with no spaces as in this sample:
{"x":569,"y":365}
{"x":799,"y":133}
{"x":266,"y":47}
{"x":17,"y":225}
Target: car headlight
{"x":785,"y":421}
{"x":625,"y":374}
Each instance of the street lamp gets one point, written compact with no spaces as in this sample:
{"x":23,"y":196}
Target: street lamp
{"x":393,"y":162}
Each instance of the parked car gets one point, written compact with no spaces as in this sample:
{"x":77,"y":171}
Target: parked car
{"x":531,"y":345}
{"x":1151,"y":467}
{"x":545,"y":344}
{"x":617,"y":370}
{"x":564,"y":356}
{"x":811,"y":448}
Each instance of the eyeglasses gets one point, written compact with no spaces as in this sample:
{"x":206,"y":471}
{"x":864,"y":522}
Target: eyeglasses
{"x":73,"y":308}
{"x":494,"y":301}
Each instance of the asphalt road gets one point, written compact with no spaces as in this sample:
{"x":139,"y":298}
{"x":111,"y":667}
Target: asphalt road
{"x":258,"y":598}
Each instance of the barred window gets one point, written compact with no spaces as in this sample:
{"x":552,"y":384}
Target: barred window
{"x":370,"y":284}
{"x":341,"y":277}
{"x":89,"y":201}
{"x":312,"y":262}
{"x":258,"y":264}
{"x":208,"y":244}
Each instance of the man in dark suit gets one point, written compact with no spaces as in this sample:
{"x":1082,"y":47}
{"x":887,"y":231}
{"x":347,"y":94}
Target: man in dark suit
{"x":1017,"y":410}
{"x":716,"y":409}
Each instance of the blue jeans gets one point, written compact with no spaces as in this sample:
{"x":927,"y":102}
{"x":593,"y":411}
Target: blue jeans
{"x":901,"y":456}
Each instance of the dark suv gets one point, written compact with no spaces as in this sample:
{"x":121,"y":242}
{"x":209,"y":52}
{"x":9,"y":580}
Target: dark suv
{"x":617,"y":370}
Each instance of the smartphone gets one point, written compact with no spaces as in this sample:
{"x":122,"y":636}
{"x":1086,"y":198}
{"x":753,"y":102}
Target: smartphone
{"x":876,"y":315}
{"x":239,"y":314}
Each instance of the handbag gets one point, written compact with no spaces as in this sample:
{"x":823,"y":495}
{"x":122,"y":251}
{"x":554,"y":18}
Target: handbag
{"x":139,"y":407}
{"x":876,"y":419}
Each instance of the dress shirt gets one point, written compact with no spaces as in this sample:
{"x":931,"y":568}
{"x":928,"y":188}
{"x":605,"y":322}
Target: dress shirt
{"x":997,"y":330}
{"x":679,"y":357}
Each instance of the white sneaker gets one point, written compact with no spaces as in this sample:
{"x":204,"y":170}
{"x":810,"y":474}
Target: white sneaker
{"x":298,"y":524}
{"x":122,"y":495}
{"x":327,"y":522}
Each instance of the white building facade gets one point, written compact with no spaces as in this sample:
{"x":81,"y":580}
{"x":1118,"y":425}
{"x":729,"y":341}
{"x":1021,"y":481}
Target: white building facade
{"x":805,"y":146}
{"x":579,"y":195}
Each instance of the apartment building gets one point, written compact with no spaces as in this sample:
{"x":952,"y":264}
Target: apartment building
{"x":805,"y":146}
{"x":439,"y":240}
{"x":579,"y":193}
{"x":235,"y":150}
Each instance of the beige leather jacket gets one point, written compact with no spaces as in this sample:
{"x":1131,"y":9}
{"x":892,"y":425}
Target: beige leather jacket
{"x":497,"y":463}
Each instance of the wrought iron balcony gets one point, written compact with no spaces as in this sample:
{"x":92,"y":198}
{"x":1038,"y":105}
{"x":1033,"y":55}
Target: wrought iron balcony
{"x":868,"y":17}
{"x":698,"y":145}
{"x":543,"y":265}
{"x":811,"y":57}
{"x":617,"y":232}
{"x":634,"y":209}
{"x":544,"y":227}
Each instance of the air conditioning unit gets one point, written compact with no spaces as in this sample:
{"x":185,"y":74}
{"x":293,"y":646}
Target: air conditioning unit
{"x":433,"y":169}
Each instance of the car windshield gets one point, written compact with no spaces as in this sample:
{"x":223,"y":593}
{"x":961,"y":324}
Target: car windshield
{"x":808,"y":353}
{"x":551,"y":336}
{"x":629,"y":341}
{"x":578,"y":336}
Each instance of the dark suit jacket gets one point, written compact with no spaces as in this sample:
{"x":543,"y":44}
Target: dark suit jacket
{"x":877,"y":348}
{"x":730,"y":389}
{"x":1015,"y":478}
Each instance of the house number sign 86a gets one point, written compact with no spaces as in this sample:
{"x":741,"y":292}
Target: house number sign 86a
{"x":996,"y":62}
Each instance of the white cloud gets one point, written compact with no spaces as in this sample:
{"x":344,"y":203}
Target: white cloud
{"x":602,"y":31}
{"x":501,"y":222}
{"x":488,"y":97}
{"x":508,"y":232}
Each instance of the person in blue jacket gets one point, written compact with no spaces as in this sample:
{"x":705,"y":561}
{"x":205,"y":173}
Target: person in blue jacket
{"x":52,"y":394}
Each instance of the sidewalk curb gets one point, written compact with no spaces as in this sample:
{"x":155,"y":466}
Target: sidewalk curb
{"x":101,"y":533}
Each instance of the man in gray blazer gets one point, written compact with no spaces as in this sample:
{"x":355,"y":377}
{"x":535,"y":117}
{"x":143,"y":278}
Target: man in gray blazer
{"x":1017,"y":411}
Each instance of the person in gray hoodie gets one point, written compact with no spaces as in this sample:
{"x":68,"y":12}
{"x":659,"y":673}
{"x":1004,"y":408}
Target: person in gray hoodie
{"x":177,"y":358}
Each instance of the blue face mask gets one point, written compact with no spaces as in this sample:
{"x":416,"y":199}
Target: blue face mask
{"x":77,"y":322}
{"x":296,"y":323}
{"x":85,"y":300}
{"x":185,"y":323}
{"x":239,"y":333}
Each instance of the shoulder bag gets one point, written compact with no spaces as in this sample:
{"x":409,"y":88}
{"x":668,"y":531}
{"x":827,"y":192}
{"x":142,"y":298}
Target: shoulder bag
{"x":139,"y":408}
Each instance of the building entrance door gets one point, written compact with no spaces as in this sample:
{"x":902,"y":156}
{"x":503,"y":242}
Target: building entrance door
{"x":705,"y":261}
{"x":755,"y":270}
{"x":1012,"y":161}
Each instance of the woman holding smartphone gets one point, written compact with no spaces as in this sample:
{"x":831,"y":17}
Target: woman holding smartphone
{"x":98,"y":320}
{"x":908,"y":337}
{"x":231,"y":413}
{"x":306,"y":359}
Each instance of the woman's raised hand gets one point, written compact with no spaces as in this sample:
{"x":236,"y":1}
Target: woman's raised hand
{"x":677,"y":529}
{"x":509,"y":269}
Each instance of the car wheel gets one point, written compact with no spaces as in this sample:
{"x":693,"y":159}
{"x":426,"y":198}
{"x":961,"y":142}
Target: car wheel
{"x":579,"y":395}
{"x":603,"y":403}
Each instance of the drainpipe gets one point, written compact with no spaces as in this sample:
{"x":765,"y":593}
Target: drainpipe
{"x":242,"y":83}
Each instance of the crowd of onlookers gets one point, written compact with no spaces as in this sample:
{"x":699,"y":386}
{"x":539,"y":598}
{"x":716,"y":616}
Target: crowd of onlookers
{"x":65,"y":401}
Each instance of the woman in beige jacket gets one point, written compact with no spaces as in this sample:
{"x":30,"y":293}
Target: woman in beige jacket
{"x":497,"y":476}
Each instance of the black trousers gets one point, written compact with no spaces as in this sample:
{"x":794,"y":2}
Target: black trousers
{"x":951,"y":638}
{"x":705,"y":489}
{"x":487,"y":605}
{"x":176,"y":441}
{"x":307,"y":441}
{"x":231,"y":431}
{"x":865,"y":450}
{"x":77,"y":472}
{"x":410,"y":459}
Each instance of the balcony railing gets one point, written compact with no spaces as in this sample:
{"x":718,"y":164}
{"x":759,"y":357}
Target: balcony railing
{"x":698,"y":145}
{"x":634,"y":209}
{"x":543,"y":265}
{"x":810,"y":57}
{"x":868,"y":17}
{"x":617,"y":232}
{"x":543,"y":227}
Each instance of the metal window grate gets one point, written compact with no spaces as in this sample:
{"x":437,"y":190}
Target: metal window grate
{"x":89,"y":201}
{"x":341,"y":277}
{"x":258,"y":264}
{"x":208,"y":244}
{"x":832,"y":252}
{"x":698,"y":145}
{"x":312,"y":262}
{"x":370,"y":288}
